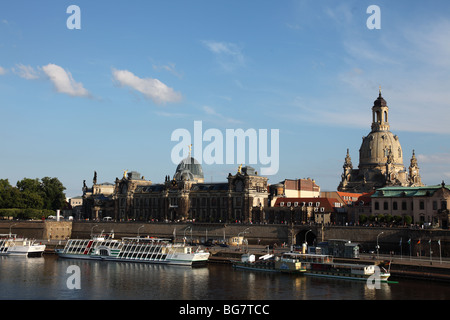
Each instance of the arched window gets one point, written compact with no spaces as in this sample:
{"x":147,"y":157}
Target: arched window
{"x":385,"y":116}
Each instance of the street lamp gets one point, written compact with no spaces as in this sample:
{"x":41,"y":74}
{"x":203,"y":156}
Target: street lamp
{"x":378,"y":247}
{"x":187,"y":228}
{"x":92,"y":229}
{"x":305,"y":244}
{"x":243,"y":232}
{"x":10,"y":229}
{"x":306,"y":234}
{"x":139,"y":229}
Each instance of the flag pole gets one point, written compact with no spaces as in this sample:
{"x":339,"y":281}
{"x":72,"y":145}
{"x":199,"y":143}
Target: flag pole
{"x":431,"y":259}
{"x":440,"y":255}
{"x":409,"y":242}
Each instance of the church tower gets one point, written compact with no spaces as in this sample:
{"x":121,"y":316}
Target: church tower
{"x":380,"y":157}
{"x":414,"y":176}
{"x":380,"y":112}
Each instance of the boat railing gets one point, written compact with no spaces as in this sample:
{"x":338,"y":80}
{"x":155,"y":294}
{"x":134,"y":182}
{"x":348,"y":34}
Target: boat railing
{"x":143,"y":250}
{"x":311,"y":257}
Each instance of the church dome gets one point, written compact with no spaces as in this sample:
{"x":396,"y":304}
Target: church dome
{"x":189,"y":169}
{"x":380,"y":102}
{"x":377,"y":147}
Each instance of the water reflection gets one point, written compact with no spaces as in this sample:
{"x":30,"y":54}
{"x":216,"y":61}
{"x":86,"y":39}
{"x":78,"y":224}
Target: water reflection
{"x":46,"y":278}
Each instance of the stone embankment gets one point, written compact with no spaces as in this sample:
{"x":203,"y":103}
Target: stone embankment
{"x":55,"y":233}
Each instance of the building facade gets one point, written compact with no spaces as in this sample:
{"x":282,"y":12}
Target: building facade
{"x":425,"y":205}
{"x":380,"y":158}
{"x":293,"y":188}
{"x":306,"y":210}
{"x":185,"y":197}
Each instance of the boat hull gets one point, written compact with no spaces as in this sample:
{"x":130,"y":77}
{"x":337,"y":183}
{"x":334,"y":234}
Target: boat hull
{"x":25,"y":251}
{"x":382,"y":278}
{"x":279,"y":266}
{"x":254,"y":267}
{"x":198,"y":260}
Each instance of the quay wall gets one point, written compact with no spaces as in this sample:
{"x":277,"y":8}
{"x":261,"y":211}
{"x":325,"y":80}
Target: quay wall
{"x":388,"y":238}
{"x":395,"y":239}
{"x":267,"y":234}
{"x":40,"y":230}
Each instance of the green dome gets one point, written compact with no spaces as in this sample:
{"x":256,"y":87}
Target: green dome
{"x":189,"y":169}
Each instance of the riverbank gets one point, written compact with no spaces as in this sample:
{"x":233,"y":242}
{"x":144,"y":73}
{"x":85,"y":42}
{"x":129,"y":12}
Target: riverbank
{"x":401,"y":267}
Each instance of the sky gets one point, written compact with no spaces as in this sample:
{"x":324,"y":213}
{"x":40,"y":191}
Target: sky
{"x":103,"y":88}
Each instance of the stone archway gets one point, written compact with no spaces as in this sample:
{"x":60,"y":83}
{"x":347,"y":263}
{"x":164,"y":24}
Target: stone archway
{"x":308,"y":234}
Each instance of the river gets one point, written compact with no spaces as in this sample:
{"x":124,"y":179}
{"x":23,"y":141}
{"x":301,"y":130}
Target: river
{"x":50,"y":278}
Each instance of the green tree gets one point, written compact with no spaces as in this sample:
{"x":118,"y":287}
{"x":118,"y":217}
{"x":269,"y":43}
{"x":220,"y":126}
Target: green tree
{"x":47,"y":194}
{"x":362,"y":219}
{"x":30,"y":185}
{"x":54,"y":193}
{"x":9,"y":196}
{"x":388,"y":218}
{"x":31,"y":193}
{"x":398,"y":219}
{"x":407,"y":219}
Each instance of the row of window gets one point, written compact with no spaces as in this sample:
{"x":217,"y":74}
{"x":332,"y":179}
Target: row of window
{"x":304,"y":204}
{"x":211,"y":215}
{"x":404,"y":206}
{"x":194,"y":202}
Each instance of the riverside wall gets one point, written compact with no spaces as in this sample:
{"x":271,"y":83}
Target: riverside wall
{"x":389,"y":239}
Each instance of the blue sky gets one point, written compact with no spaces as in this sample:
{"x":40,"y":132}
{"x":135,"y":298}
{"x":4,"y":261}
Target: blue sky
{"x":107,"y":97}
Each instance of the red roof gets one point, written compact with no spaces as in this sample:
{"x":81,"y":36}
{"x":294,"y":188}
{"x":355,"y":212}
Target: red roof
{"x":327,"y":203}
{"x":365,"y":198}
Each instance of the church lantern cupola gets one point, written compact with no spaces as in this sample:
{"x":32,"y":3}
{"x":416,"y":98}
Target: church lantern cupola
{"x":380,"y":112}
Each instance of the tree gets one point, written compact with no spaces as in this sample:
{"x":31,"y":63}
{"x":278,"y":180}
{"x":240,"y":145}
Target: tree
{"x":30,"y":185}
{"x":54,"y":193}
{"x":407,"y":219}
{"x":398,"y":219}
{"x":31,"y":193}
{"x":362,"y":219}
{"x":9,"y":196}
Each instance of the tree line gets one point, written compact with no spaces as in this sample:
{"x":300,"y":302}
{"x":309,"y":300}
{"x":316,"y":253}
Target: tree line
{"x":31,"y":198}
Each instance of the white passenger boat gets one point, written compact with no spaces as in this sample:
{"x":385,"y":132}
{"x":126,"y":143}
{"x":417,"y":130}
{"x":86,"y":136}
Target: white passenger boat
{"x":11,"y":245}
{"x":145,"y":250}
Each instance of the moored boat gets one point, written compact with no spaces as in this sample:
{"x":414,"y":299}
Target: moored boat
{"x":11,"y":245}
{"x":324,"y":266}
{"x":137,"y":249}
{"x":287,"y":263}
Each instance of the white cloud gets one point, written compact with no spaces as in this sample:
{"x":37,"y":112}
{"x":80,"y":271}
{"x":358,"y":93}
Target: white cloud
{"x":26,"y":72}
{"x":171,"y":114}
{"x":437,"y":158}
{"x":411,"y":65}
{"x":149,"y":87}
{"x":218,"y":116}
{"x":63,"y":81}
{"x":228,"y":55}
{"x":170,"y":67}
{"x":2,"y":71}
{"x":434,"y":167}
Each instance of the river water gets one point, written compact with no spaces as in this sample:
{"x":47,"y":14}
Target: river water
{"x":50,"y":278}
